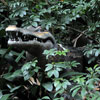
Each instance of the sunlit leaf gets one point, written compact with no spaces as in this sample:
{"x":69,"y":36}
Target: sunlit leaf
{"x":48,"y":86}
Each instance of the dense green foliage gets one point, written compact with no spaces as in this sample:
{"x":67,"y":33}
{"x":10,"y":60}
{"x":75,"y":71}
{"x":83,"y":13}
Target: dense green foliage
{"x":72,"y":22}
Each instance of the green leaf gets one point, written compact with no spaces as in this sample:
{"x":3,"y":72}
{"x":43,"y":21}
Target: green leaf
{"x":20,"y":56}
{"x":98,"y":98}
{"x":7,"y":76}
{"x":26,"y":75}
{"x":26,"y":66}
{"x":13,"y":89}
{"x":75,"y":92}
{"x":11,"y":76}
{"x":56,"y":73}
{"x":61,"y":91}
{"x":65,"y":84}
{"x":17,"y":73}
{"x":58,"y":87}
{"x":56,"y":83}
{"x":94,"y":97}
{"x":22,"y":13}
{"x":73,"y":88}
{"x":49,"y":67}
{"x":97,"y":53}
{"x":1,"y":94}
{"x":36,"y":19}
{"x":35,"y":24}
{"x":34,"y":63}
{"x":48,"y":86}
{"x":72,"y":73}
{"x":5,"y":97}
{"x":46,"y":98}
{"x":50,"y":73}
{"x":83,"y":92}
{"x":3,"y":51}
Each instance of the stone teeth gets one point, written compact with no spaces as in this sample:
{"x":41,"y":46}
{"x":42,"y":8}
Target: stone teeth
{"x":14,"y":40}
{"x":10,"y":39}
{"x":24,"y":37}
{"x":16,"y":33}
{"x":19,"y":39}
{"x":7,"y":34}
{"x":35,"y":39}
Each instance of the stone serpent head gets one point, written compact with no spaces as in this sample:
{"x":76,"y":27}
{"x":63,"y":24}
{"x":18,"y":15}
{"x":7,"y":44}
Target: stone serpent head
{"x":29,"y":39}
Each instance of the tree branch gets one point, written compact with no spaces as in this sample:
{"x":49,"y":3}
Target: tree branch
{"x":4,"y":2}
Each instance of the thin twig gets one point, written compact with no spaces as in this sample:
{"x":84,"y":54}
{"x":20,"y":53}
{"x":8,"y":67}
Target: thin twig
{"x":4,"y":2}
{"x":76,"y":39}
{"x":83,"y":33}
{"x":76,"y":29}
